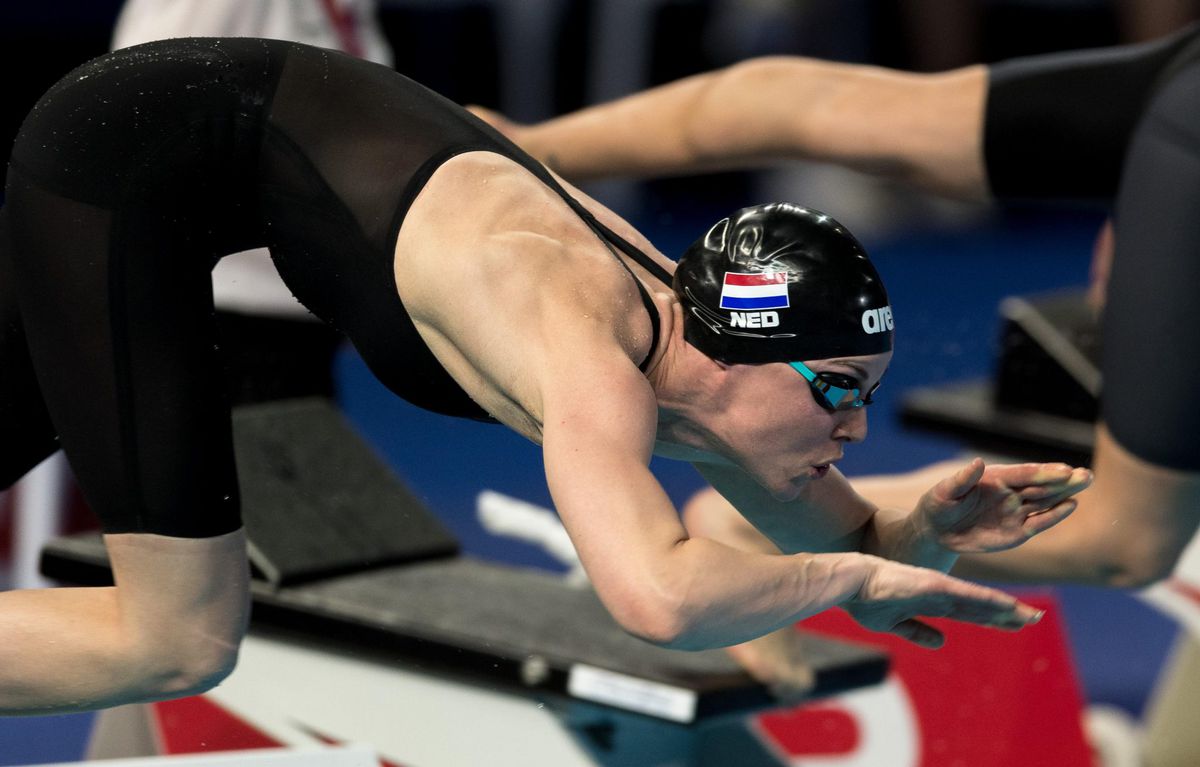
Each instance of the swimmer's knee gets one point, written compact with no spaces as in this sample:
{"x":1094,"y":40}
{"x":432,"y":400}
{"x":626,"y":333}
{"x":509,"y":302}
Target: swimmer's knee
{"x":701,"y":501}
{"x":708,"y":515}
{"x":1140,"y":565}
{"x":1134,"y":555}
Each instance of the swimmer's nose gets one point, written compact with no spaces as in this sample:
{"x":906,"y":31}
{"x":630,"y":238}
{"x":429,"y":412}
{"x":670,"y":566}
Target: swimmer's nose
{"x":851,"y":425}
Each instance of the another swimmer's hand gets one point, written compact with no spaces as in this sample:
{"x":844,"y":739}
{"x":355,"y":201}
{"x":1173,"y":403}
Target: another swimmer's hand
{"x":992,"y":508}
{"x":894,"y":595}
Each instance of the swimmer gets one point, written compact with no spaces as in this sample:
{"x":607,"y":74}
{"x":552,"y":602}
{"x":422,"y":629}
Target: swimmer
{"x":1116,"y":124}
{"x":474,"y":284}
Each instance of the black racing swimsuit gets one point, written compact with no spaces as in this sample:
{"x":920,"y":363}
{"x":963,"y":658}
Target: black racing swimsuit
{"x":131,"y":178}
{"x":1122,"y":124}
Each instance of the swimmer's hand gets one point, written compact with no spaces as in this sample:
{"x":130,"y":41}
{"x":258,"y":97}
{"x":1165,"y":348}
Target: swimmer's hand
{"x":777,"y":661}
{"x":991,"y":508}
{"x":894,"y":595}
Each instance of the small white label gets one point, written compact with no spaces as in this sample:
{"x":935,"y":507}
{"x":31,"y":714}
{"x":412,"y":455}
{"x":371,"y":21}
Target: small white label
{"x":632,"y":693}
{"x":754,"y":319}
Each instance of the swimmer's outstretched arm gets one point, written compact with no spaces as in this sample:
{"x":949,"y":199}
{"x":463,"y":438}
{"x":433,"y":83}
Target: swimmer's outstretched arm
{"x":170,"y":627}
{"x":692,"y":592}
{"x":976,"y":508}
{"x":921,"y":128}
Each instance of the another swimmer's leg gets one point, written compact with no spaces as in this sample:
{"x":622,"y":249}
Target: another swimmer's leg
{"x":26,"y":434}
{"x":1136,"y":519}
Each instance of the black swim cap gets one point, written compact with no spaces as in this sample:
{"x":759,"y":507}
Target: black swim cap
{"x":781,"y":283}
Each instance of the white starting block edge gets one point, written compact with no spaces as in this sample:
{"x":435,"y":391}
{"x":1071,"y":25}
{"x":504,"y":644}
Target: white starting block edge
{"x":330,"y":756}
{"x":631,"y":693}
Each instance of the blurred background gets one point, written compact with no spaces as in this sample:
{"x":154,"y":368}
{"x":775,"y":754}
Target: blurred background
{"x":947,"y":264}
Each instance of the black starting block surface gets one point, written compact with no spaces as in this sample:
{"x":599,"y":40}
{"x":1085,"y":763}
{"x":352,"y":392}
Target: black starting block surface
{"x":506,"y":626}
{"x":968,"y":410}
{"x":1044,"y":398}
{"x":317,"y":500}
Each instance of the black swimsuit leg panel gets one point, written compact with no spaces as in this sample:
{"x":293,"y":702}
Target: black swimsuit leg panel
{"x":118,"y":316}
{"x":126,"y":182}
{"x":28,"y":434}
{"x":1151,"y":358}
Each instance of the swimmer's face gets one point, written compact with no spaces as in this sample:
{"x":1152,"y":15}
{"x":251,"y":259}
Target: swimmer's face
{"x":782,"y":437}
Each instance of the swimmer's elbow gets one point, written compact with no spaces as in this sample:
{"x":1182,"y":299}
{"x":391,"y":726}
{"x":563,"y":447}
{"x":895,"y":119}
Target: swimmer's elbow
{"x":650,"y":609}
{"x":668,"y":615}
{"x":182,"y":669}
{"x":653,"y":621}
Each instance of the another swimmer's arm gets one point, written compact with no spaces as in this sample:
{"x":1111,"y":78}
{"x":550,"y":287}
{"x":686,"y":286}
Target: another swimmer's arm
{"x":921,"y":128}
{"x":170,"y":627}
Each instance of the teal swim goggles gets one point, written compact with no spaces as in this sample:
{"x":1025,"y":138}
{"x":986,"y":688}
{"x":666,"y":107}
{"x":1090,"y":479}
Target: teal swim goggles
{"x":834,"y":391}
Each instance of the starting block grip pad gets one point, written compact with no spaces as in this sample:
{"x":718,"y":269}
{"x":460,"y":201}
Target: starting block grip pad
{"x":505,"y":626}
{"x":317,"y":500}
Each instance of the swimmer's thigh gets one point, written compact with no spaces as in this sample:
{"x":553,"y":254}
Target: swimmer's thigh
{"x":26,"y":434}
{"x":117,"y":310}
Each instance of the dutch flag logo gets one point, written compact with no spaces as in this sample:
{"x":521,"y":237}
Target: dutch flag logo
{"x":751,"y":292}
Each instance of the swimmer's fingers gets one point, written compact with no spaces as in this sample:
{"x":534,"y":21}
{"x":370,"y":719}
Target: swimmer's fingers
{"x":903,"y":619}
{"x":976,"y":510}
{"x":894,"y":596}
{"x":1053,"y":489}
{"x":1043,"y":519}
{"x":1004,"y":524}
{"x":1044,"y":506}
{"x":958,"y":484}
{"x":1035,"y":480}
{"x":919,"y":633}
{"x":954,"y":502}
